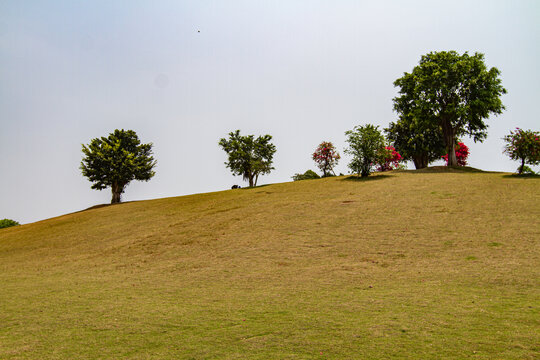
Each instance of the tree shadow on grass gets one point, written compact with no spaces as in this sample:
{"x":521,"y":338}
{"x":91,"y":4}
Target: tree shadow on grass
{"x":366,"y":178}
{"x":522,"y":176}
{"x":99,"y":206}
{"x":448,"y":169}
{"x":253,"y":187}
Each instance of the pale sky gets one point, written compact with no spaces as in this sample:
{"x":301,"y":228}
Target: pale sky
{"x":301,"y":71}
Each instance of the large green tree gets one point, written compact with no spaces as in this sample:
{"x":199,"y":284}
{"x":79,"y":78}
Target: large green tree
{"x":422,"y":146}
{"x":116,"y":160}
{"x":453,"y":92}
{"x":367,"y":148}
{"x":248,"y":156}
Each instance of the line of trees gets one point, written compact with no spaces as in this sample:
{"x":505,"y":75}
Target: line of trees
{"x":445,"y":97}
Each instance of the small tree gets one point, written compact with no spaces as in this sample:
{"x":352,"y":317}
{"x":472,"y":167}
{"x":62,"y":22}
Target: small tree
{"x":4,"y":223}
{"x":248,"y":156}
{"x":392,"y":160}
{"x":116,"y":160}
{"x":367,"y":148}
{"x":462,"y":153}
{"x":523,"y":145}
{"x":326,"y":157}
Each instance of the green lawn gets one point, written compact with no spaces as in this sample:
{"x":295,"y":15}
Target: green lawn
{"x":436,"y":264}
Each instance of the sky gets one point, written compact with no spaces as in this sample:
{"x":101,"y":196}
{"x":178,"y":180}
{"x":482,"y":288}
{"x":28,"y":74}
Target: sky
{"x":183,"y":74}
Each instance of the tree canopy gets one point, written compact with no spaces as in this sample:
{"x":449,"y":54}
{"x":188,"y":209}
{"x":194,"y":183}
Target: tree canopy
{"x":422,"y":146}
{"x":247,"y":156}
{"x":452,"y":92}
{"x":116,"y":160}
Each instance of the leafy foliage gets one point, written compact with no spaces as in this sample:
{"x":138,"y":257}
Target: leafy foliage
{"x":392,"y":160}
{"x":4,"y":223}
{"x":326,"y":157}
{"x":422,"y":146}
{"x":367,"y":148}
{"x":452,"y":92}
{"x":248,"y":156}
{"x":462,"y":153}
{"x":523,"y":145}
{"x":308,"y":175}
{"x":116,"y":160}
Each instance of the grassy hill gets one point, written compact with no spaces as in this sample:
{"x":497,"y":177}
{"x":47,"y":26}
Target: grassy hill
{"x":440,"y":264}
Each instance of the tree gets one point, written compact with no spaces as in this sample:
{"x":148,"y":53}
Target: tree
{"x":326,"y":157}
{"x":523,"y":145}
{"x":453,"y":92}
{"x":367,"y":147}
{"x":116,"y":160}
{"x":248,"y":156}
{"x":413,"y":143}
{"x":462,"y":153}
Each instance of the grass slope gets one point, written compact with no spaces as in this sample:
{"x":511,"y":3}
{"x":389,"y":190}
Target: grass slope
{"x":431,"y":265}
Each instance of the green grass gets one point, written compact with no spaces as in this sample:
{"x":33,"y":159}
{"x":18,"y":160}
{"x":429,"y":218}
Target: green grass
{"x":432,"y":265}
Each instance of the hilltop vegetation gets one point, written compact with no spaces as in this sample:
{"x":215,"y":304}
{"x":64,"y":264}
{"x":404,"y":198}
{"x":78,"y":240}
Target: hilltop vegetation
{"x":436,"y":264}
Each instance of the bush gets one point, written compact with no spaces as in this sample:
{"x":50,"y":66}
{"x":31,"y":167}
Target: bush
{"x":527,"y":170}
{"x":8,"y":223}
{"x":392,"y":160}
{"x":462,"y":153}
{"x":308,"y":175}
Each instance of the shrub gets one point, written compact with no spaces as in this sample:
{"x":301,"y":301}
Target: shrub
{"x":391,"y":161}
{"x":4,"y":223}
{"x":527,"y":171}
{"x":309,"y":174}
{"x":462,"y":153}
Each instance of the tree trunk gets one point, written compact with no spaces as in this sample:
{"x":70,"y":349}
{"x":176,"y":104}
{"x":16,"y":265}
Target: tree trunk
{"x":250,"y":179}
{"x":420,"y":161}
{"x":116,"y":193}
{"x":520,"y":171}
{"x":448,"y":134}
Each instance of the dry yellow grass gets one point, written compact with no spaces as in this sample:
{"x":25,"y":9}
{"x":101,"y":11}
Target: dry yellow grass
{"x":433,"y":264}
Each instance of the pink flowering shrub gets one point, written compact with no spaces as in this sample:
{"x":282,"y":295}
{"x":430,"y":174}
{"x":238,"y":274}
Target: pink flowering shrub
{"x":391,"y":161}
{"x":462,"y":153}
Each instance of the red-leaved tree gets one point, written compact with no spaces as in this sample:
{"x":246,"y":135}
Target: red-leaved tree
{"x":326,"y":157}
{"x":462,"y":153}
{"x":391,"y":161}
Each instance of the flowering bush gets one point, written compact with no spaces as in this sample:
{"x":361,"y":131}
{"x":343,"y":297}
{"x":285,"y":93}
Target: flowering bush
{"x":391,"y":161}
{"x":523,"y":145}
{"x":462,"y":153}
{"x":326,"y":157}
